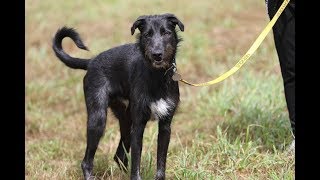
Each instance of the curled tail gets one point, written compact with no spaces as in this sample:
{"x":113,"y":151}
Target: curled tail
{"x":71,"y":62}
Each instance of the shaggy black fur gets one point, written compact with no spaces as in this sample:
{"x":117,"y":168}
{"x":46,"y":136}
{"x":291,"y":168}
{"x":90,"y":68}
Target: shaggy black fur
{"x":134,"y":80}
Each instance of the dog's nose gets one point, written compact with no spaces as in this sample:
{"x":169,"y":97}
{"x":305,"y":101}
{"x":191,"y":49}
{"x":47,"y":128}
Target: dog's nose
{"x":157,"y":56}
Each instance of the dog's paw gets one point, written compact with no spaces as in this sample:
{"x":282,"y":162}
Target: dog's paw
{"x":160,"y":176}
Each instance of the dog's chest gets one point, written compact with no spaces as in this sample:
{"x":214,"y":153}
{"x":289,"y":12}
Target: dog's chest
{"x":161,"y":108}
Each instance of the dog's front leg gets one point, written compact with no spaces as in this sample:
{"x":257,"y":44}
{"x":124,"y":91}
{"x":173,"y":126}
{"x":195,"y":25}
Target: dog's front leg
{"x":163,"y":143}
{"x":138,"y":124}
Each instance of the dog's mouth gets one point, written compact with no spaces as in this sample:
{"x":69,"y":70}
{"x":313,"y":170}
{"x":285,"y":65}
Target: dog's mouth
{"x":159,"y":64}
{"x":158,"y":61}
{"x":157,"y":58}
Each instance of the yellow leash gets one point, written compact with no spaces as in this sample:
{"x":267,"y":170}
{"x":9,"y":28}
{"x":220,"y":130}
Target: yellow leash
{"x":252,"y":49}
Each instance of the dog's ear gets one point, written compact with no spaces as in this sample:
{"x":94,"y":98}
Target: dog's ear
{"x":138,"y":24}
{"x":173,"y":19}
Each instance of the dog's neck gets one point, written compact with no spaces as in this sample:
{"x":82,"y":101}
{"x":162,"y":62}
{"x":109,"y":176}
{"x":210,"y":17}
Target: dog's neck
{"x":160,"y":78}
{"x":163,"y":72}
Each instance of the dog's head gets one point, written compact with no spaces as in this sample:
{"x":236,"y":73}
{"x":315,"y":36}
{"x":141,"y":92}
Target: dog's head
{"x":158,"y":39}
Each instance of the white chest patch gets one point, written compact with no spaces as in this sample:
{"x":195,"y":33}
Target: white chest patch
{"x":161,"y":108}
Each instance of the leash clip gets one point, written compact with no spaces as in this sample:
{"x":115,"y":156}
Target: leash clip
{"x":176,"y":76}
{"x":174,"y":67}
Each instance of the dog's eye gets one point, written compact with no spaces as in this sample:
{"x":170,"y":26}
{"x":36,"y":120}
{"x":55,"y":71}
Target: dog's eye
{"x":167,"y":33}
{"x":147,"y":34}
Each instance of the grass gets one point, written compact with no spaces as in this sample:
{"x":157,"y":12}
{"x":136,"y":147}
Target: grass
{"x":237,"y":129}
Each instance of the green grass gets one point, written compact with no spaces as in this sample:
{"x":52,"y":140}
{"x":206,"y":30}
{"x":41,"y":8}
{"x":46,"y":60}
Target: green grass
{"x":237,"y":129}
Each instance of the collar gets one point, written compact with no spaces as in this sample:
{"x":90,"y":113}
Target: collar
{"x":173,"y":66}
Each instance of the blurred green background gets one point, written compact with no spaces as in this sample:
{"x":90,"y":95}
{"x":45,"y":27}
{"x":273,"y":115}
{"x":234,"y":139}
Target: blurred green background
{"x":237,"y":129}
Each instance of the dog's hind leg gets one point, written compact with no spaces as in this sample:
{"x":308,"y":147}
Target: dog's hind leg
{"x":96,"y":101}
{"x":121,"y":111}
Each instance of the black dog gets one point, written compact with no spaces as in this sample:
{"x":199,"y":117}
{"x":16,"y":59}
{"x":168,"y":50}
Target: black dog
{"x":134,"y":80}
